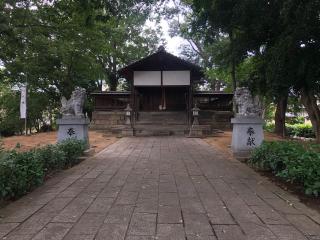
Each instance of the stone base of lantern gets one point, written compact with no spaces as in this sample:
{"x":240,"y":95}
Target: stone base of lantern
{"x":196,"y":131}
{"x":127,"y":132}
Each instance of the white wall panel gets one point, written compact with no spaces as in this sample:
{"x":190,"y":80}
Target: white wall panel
{"x":176,"y":78}
{"x":147,"y":78}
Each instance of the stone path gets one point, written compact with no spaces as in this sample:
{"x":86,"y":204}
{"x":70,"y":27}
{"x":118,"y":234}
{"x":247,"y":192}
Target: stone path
{"x":159,"y":188}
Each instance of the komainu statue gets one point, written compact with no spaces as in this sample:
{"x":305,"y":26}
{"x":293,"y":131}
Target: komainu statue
{"x":74,"y":106}
{"x":247,"y":105}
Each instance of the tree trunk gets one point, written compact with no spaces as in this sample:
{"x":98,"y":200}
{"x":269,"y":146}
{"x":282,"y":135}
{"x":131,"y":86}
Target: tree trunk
{"x":233,"y":62}
{"x":310,"y":103}
{"x":113,"y":82}
{"x":113,"y":76}
{"x":99,"y":85}
{"x":233,"y":70}
{"x":280,"y":116}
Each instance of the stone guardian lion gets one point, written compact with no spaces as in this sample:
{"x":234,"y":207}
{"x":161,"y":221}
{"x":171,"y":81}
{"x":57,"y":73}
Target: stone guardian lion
{"x":74,"y":106}
{"x":247,"y":105}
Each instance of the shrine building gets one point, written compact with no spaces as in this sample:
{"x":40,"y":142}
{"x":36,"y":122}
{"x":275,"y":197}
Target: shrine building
{"x":163,"y":91}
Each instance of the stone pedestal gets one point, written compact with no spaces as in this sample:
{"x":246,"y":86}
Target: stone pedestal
{"x":196,"y":131}
{"x":247,"y":134}
{"x":127,"y":132}
{"x":73,"y":127}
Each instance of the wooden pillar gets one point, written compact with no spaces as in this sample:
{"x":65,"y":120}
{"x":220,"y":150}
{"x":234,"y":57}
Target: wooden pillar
{"x":163,"y":94}
{"x":190,"y":94}
{"x":133,"y":100}
{"x":190,"y":100}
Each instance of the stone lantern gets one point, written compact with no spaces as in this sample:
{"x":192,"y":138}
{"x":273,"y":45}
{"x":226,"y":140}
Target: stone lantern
{"x":128,"y":111}
{"x":127,"y":131}
{"x":196,"y":129}
{"x":195,"y":114}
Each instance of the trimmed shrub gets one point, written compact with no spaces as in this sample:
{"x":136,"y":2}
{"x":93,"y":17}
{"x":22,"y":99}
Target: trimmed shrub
{"x":290,"y":161}
{"x":19,"y":172}
{"x":72,"y":149}
{"x":295,"y":120}
{"x":300,"y":130}
{"x":294,"y":130}
{"x":52,"y":156}
{"x":22,"y":171}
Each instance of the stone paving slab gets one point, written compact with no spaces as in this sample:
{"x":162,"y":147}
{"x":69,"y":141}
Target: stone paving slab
{"x":159,"y":188}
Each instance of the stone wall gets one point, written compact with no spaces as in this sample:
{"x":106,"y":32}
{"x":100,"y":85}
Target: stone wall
{"x":216,"y":119}
{"x":113,"y":121}
{"x":107,"y":120}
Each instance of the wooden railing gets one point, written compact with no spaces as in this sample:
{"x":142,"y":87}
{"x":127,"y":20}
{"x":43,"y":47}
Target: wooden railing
{"x":213,"y":101}
{"x":108,"y":101}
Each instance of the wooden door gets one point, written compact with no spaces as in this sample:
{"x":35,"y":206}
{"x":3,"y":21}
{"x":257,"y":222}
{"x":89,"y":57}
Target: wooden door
{"x":149,"y":99}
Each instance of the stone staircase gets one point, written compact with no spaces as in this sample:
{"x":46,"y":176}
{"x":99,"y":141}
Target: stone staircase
{"x":161,"y":124}
{"x":109,"y":123}
{"x":147,"y":124}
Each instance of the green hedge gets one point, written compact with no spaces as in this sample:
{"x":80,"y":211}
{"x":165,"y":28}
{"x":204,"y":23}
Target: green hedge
{"x":300,"y":130}
{"x":268,"y":127}
{"x":294,"y":130}
{"x":21,"y":171}
{"x":291,"y":161}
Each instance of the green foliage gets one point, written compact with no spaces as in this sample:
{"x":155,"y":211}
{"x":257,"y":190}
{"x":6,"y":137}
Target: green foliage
{"x":52,"y":156}
{"x":40,"y":109}
{"x":19,"y":172}
{"x":269,"y":111}
{"x":293,"y":130}
{"x":57,"y":45}
{"x":270,"y":46}
{"x":10,"y":122}
{"x":72,"y":149}
{"x":22,"y":171}
{"x":300,"y":130}
{"x":269,"y":127}
{"x":292,"y":162}
{"x":295,"y":120}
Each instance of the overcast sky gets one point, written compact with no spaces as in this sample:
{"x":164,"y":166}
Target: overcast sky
{"x":173,"y":43}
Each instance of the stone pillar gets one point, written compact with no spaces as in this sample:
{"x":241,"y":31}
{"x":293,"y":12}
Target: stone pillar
{"x":247,"y":134}
{"x":73,"y":127}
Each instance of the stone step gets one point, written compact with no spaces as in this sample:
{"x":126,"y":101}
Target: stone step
{"x":161,"y":127}
{"x":105,"y":127}
{"x":160,"y":122}
{"x":160,"y":130}
{"x":148,"y":133}
{"x":162,"y":118}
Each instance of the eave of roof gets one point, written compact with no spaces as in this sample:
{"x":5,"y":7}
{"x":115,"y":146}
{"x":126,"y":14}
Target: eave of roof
{"x":111,"y":93}
{"x":188,"y":65}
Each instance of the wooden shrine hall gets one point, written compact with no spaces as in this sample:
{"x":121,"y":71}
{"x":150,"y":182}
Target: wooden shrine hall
{"x":162,"y":94}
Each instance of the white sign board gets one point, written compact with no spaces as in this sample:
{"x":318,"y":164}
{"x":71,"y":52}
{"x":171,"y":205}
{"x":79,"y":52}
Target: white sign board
{"x":147,"y":78}
{"x":23,"y":102}
{"x":176,"y":78}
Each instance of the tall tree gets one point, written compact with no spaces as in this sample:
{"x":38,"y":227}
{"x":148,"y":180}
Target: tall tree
{"x":283,"y":39}
{"x":207,"y":45}
{"x":57,"y":45}
{"x":125,"y":35}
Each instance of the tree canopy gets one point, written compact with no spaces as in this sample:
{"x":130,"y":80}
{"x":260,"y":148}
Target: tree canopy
{"x":270,"y":46}
{"x":54,"y":46}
